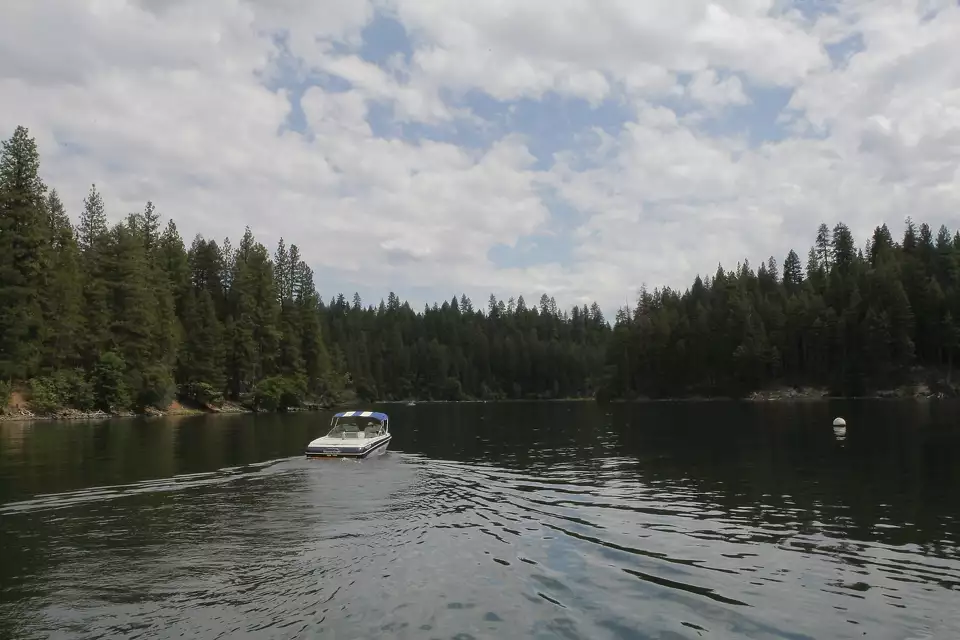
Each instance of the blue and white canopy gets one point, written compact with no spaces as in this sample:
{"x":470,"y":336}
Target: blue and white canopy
{"x":382,"y":417}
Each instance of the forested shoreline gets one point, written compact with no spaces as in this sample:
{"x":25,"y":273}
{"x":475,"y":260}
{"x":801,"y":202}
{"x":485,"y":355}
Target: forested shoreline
{"x":851,"y":322}
{"x":128,"y":318}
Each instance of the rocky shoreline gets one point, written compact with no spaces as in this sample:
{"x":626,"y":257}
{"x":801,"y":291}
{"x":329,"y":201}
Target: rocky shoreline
{"x":778,"y":394}
{"x":789,"y":393}
{"x":13,"y":415}
{"x":904,"y":392}
{"x":19,"y":413}
{"x":18,"y":410}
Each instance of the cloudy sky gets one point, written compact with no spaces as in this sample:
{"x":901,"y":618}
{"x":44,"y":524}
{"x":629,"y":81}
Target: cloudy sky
{"x":430,"y":147}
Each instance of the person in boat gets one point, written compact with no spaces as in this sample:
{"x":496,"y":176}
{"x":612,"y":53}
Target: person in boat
{"x":372,"y":430}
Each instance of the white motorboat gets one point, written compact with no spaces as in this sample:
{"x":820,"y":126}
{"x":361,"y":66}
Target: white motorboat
{"x":353,"y":434}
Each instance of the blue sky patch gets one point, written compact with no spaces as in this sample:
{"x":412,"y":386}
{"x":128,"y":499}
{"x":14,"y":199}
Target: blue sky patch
{"x":552,"y":245}
{"x":841,"y":52}
{"x":551,"y":124}
{"x":756,"y":121}
{"x":384,"y":37}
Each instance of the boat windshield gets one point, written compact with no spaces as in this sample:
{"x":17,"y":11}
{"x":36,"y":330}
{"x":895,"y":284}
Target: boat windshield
{"x":354,"y":426}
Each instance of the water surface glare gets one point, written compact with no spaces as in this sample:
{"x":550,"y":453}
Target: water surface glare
{"x":532,"y":520}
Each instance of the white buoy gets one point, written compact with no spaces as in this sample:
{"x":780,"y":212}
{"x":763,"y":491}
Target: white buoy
{"x":839,"y":422}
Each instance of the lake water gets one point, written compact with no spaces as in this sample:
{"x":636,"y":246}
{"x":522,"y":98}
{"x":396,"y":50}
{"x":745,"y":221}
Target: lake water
{"x":512,"y":520}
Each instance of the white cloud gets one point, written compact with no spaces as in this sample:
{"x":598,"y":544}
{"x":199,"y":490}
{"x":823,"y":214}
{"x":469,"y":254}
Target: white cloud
{"x":675,"y":201}
{"x":200,"y":137}
{"x":413,"y":103}
{"x":708,"y":89}
{"x":166,"y":101}
{"x":312,"y":27}
{"x":512,"y":49}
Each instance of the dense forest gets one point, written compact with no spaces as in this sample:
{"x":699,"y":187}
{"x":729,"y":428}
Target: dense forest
{"x":128,"y":317}
{"x":851,"y":321}
{"x":121,"y":317}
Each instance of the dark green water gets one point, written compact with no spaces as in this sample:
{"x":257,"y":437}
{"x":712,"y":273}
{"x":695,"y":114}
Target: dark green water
{"x":563,"y":520}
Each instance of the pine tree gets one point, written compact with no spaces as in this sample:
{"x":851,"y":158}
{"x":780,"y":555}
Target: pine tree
{"x":254,"y":312}
{"x":63,"y":302}
{"x":95,"y":262}
{"x":823,"y":247}
{"x":792,"y":274}
{"x":201,"y":358}
{"x":24,"y":255}
{"x":137,"y":316}
{"x":282,"y":272}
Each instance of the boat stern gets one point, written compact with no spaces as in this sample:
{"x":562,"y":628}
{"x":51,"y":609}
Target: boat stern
{"x":331,"y":448}
{"x":353,"y":434}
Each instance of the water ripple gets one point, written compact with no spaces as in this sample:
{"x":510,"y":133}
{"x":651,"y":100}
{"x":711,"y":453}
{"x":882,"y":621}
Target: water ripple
{"x":411,"y":546}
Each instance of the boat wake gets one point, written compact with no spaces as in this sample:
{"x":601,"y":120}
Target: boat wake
{"x":412,"y":544}
{"x":175,"y":483}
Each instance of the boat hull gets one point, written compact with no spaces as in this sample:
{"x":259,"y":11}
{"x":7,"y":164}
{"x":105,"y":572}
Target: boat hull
{"x":320,"y":449}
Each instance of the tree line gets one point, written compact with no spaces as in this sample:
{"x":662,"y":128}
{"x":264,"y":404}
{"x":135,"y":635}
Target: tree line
{"x":850,"y":320}
{"x":128,"y":317}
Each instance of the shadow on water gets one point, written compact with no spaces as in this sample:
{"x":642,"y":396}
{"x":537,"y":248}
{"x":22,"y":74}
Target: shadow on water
{"x":489,"y":520}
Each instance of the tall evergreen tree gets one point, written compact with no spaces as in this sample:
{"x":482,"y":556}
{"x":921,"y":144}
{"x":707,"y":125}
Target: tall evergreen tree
{"x":792,"y":274}
{"x":63,"y":299}
{"x":24,"y":243}
{"x":137,"y":325}
{"x":95,"y":261}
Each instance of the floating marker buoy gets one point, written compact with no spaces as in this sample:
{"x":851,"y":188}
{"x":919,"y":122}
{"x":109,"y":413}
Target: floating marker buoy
{"x":839,"y":422}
